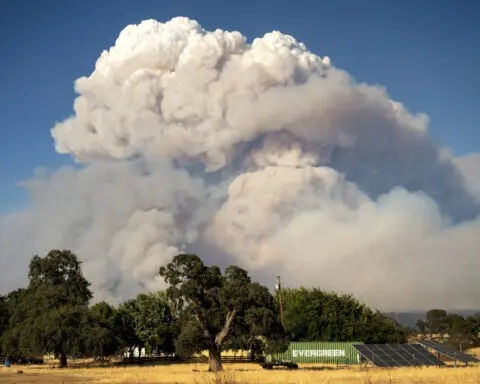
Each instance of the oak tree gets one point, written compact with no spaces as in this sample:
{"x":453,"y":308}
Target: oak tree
{"x":219,"y":311}
{"x":51,"y":312}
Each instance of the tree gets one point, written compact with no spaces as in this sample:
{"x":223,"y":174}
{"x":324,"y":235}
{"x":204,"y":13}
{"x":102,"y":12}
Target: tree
{"x":149,"y":322}
{"x":51,"y":313}
{"x":127,"y":326}
{"x":101,"y":332}
{"x":313,"y":315}
{"x":219,"y":310}
{"x":473,"y":329}
{"x":382,"y":329}
{"x":457,"y":329}
{"x":9,"y":340}
{"x":4,"y":318}
{"x":436,"y":321}
{"x":422,"y":326}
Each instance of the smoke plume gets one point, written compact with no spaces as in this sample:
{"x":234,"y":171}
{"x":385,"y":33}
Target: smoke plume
{"x":261,"y":154}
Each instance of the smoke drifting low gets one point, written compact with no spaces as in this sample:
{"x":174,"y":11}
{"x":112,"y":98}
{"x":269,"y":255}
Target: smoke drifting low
{"x":262,"y":153}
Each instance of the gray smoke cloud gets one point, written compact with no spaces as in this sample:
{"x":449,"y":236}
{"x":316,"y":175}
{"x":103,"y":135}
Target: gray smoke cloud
{"x":262,"y":154}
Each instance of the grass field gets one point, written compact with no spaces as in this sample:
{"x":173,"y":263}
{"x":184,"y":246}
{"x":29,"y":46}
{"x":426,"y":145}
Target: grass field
{"x":235,"y":373}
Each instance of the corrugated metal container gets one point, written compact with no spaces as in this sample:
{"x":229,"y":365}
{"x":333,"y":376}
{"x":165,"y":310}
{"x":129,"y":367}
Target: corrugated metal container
{"x":316,"y":352}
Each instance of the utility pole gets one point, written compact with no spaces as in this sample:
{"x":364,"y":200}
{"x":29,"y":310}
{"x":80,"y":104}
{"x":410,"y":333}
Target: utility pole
{"x":279,"y":289}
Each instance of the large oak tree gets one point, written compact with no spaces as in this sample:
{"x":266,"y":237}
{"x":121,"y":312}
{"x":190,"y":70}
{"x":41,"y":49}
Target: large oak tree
{"x":51,"y":313}
{"x":219,"y":311}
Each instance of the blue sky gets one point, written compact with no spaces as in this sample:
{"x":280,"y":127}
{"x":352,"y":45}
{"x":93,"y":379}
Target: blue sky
{"x":424,"y":52}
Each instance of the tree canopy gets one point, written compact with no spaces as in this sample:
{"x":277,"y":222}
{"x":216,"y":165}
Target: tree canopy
{"x":102,"y":337}
{"x":4,"y":318}
{"x":148,"y":321}
{"x":218,"y":310}
{"x":50,"y":314}
{"x":316,"y":315}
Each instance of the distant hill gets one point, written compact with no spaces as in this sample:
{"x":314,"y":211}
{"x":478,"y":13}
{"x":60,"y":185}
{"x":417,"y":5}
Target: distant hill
{"x":409,"y":319}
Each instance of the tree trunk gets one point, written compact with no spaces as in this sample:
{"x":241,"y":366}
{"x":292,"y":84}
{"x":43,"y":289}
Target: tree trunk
{"x":63,"y":360}
{"x":214,"y":359}
{"x":214,"y":353}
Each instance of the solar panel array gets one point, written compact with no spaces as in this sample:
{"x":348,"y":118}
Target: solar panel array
{"x":449,"y":351}
{"x":397,"y":355}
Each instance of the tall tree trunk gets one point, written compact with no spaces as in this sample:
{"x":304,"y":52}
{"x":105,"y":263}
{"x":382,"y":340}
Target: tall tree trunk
{"x":63,"y":360}
{"x":214,"y":359}
{"x":214,"y":353}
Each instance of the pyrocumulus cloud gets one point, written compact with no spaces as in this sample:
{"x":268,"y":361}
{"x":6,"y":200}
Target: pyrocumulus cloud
{"x":262,"y":154}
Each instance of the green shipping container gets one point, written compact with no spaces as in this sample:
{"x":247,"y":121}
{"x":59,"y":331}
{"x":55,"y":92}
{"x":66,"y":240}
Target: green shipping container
{"x":319,"y":352}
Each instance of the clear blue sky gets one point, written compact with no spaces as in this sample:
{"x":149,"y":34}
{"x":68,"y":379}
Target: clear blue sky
{"x":426,"y":52}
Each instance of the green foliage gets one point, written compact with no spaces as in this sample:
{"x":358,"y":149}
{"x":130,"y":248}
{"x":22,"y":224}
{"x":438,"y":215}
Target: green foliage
{"x":60,"y":271}
{"x":436,"y":321}
{"x":218,"y":311}
{"x":382,"y":329}
{"x":422,"y":326}
{"x":315,"y":315}
{"x":4,"y":317}
{"x":456,"y":327}
{"x":148,"y":321}
{"x":461,"y":332}
{"x":50,"y":314}
{"x":101,"y":332}
{"x":3,"y":314}
{"x":10,"y":336}
{"x":126,"y":326}
{"x":473,"y":329}
{"x":191,"y":339}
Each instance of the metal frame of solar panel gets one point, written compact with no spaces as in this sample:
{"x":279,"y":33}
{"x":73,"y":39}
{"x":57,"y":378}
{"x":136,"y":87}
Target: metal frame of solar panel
{"x":449,"y":351}
{"x":397,"y":355}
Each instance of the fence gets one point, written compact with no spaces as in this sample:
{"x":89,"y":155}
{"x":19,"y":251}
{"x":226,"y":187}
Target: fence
{"x":233,"y":359}
{"x":191,"y":360}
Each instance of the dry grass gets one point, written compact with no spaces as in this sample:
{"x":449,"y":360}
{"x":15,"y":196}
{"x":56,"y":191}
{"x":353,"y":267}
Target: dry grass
{"x":475,"y":352}
{"x":235,"y":374}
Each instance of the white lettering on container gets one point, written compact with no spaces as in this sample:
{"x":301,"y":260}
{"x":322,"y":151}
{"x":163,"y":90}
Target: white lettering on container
{"x":318,"y":353}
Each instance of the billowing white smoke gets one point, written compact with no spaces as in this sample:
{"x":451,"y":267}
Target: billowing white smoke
{"x":124,"y":219}
{"x":261,"y":154}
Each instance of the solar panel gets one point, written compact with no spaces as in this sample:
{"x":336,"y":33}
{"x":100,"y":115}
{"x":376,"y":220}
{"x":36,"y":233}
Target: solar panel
{"x":449,"y":351}
{"x":397,"y":355}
